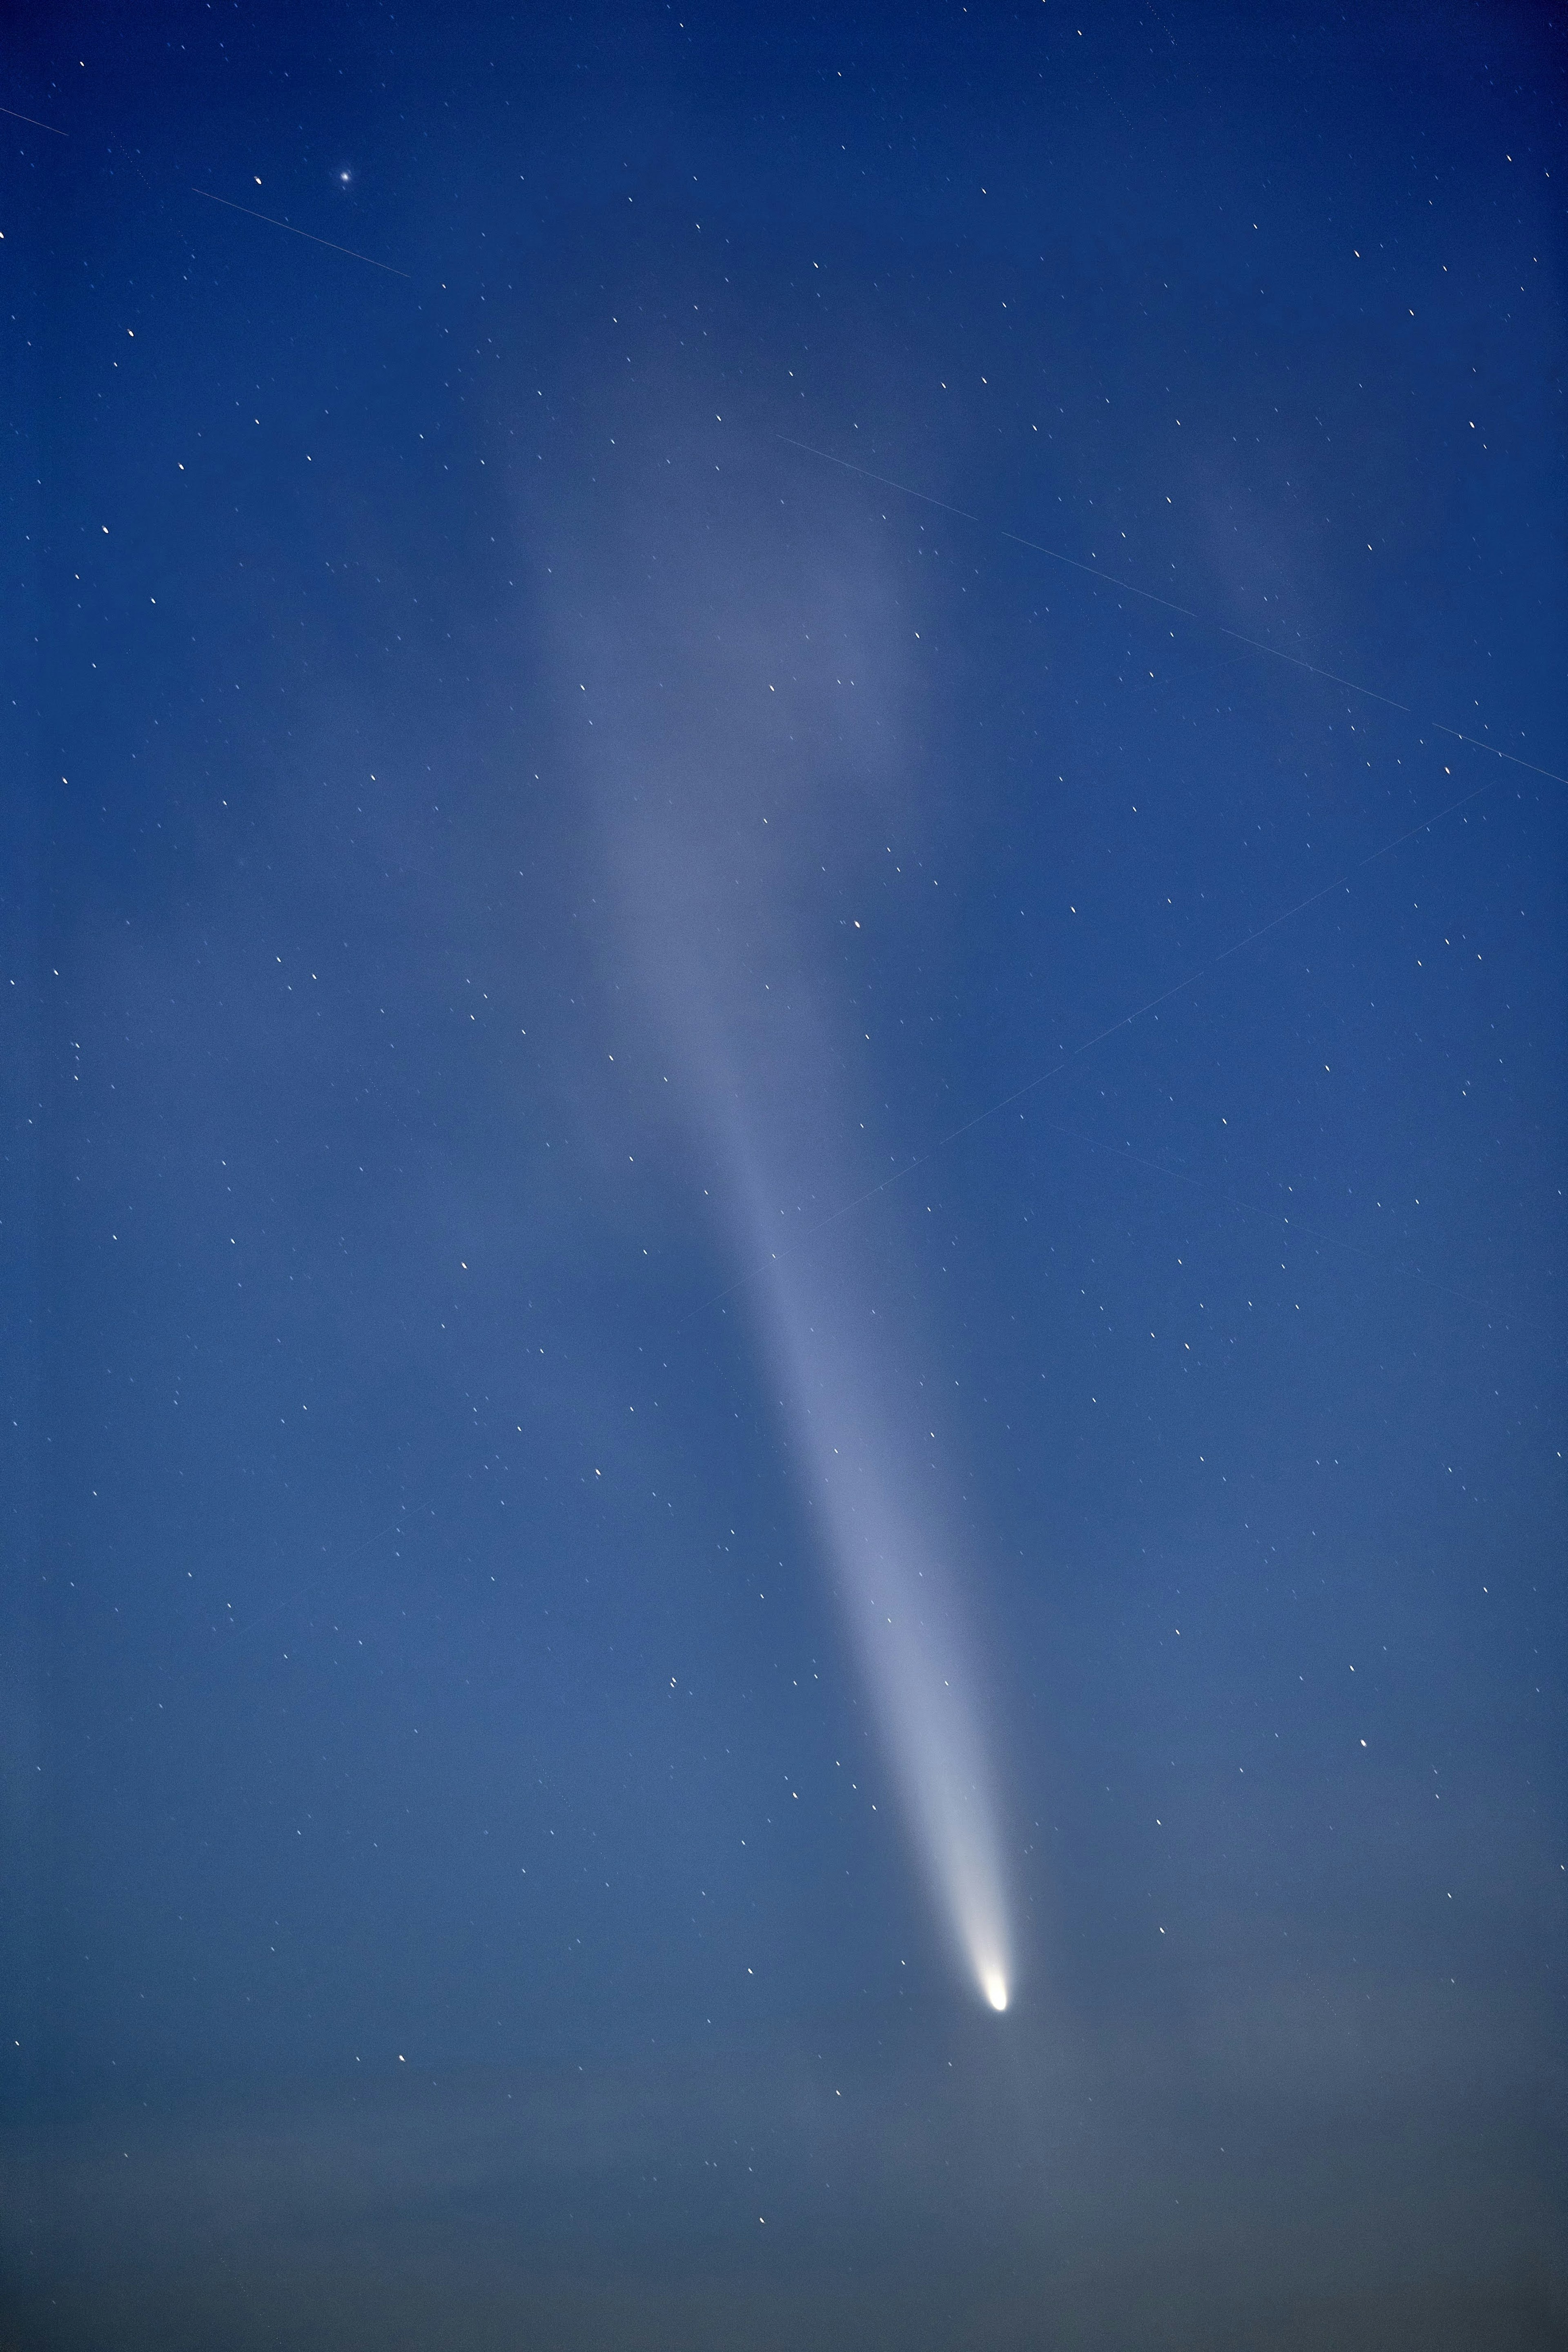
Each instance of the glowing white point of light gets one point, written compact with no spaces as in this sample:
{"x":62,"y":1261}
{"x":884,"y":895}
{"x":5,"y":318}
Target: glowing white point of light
{"x":994,"y":1985}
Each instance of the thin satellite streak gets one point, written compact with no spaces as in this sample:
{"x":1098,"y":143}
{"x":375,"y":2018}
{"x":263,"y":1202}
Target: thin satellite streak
{"x":250,"y":211}
{"x":1152,"y":1003}
{"x":34,"y":120}
{"x":1168,"y":604}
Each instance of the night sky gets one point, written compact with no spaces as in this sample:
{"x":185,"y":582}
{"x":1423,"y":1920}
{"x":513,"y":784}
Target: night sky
{"x":784,"y":1178}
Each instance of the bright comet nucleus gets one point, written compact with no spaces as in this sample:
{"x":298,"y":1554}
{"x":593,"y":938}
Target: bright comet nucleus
{"x":897,"y":1571}
{"x":709,"y":896}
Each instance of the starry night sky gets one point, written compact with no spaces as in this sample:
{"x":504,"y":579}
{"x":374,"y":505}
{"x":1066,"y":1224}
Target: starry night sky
{"x":689,"y":666}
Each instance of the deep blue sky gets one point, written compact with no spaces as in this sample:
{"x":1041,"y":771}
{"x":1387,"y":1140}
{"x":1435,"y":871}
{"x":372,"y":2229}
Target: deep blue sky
{"x":511,"y":866}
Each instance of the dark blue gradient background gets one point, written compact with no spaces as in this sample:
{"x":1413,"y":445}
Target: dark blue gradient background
{"x":438,"y":1915}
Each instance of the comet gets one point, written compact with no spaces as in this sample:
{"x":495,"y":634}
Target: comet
{"x":898,"y":1573}
{"x":719,"y":836}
